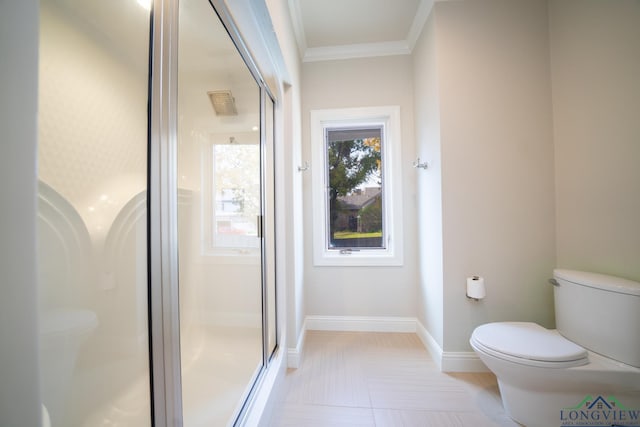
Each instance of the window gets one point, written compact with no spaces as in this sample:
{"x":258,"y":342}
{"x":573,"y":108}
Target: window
{"x":356,"y":186}
{"x":354,"y":175}
{"x":231,"y":205}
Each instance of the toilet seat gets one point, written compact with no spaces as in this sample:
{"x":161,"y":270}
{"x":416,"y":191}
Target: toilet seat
{"x":529,"y":344}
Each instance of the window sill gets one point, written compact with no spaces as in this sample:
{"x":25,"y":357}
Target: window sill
{"x":362,"y":258}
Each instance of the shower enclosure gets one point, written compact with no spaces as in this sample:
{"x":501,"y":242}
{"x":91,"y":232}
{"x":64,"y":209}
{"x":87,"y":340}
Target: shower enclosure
{"x":156,"y":203}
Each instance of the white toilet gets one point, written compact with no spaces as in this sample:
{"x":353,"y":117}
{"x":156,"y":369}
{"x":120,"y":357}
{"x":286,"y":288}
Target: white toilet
{"x":587,"y":372}
{"x":62,"y":333}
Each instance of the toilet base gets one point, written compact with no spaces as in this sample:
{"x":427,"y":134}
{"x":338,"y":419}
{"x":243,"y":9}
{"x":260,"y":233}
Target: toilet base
{"x":533,"y":408}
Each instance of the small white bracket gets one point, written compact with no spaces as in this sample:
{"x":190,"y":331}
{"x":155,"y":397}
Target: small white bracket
{"x":418,"y":164}
{"x":304,"y":167}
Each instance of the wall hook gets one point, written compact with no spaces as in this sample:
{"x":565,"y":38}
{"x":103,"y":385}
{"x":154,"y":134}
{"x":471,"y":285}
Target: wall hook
{"x":304,"y":167}
{"x":418,"y":164}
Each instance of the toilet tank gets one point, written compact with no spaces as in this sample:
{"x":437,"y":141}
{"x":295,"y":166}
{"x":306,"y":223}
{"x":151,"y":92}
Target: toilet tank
{"x":600,"y":313}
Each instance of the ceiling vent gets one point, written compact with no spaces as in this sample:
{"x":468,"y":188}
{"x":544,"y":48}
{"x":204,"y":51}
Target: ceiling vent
{"x":223,"y":102}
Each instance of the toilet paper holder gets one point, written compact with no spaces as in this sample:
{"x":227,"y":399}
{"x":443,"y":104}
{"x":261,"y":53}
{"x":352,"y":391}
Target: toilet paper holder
{"x":475,"y":288}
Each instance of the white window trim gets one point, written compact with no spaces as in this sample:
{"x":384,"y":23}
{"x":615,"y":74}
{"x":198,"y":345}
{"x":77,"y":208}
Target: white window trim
{"x":389,"y":117}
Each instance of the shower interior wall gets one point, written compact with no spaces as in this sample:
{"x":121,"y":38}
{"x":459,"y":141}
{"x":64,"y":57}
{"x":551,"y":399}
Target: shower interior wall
{"x":100,"y":170}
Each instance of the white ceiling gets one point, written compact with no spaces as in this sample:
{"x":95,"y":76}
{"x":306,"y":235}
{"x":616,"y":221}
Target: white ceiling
{"x":339,"y":29}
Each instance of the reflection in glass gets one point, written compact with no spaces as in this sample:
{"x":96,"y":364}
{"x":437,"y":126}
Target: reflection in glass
{"x":236,"y":188}
{"x":92,"y":167}
{"x":220,"y":269}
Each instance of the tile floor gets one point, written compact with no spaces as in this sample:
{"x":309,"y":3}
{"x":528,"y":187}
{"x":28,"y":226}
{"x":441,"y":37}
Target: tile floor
{"x":382,"y":379}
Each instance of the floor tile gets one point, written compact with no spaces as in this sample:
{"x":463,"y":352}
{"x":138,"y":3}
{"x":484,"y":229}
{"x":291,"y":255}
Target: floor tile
{"x":301,"y":415}
{"x":382,"y":379}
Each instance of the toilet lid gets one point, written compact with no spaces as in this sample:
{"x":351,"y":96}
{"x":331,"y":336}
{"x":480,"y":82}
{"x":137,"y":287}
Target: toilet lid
{"x":529,"y":341}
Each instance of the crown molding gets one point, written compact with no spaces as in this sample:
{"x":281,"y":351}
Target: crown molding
{"x":298,"y":26}
{"x":422,"y":15}
{"x":362,"y":50}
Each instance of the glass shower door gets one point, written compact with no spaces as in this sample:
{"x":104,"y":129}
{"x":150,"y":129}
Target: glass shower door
{"x":92,"y":216}
{"x":219,"y":220}
{"x":100,"y":201}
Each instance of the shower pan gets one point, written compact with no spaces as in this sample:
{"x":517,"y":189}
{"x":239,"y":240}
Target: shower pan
{"x":156,"y":253}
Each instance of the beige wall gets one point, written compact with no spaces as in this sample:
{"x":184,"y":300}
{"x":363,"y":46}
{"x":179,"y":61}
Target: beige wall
{"x":492,"y":66}
{"x":536,"y":131}
{"x":595,"y":58}
{"x":429,"y":183}
{"x":362,"y":291}
{"x":291,"y":223}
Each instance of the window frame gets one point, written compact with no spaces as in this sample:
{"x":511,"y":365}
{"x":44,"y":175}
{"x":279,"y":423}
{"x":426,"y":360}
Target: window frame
{"x":388,"y":117}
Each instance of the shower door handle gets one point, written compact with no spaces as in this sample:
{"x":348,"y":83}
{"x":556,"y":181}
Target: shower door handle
{"x":259,"y":226}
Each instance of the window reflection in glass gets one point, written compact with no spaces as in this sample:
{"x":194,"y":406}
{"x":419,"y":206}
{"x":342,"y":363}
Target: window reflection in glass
{"x":236,"y":196}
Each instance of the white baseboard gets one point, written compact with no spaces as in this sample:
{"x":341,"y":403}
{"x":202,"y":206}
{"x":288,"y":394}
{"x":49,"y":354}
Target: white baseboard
{"x":347,"y":323}
{"x":361,"y":324}
{"x":294,"y":355}
{"x":293,"y":358}
{"x":430,"y":344}
{"x":462,"y":361}
{"x":447,"y":361}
